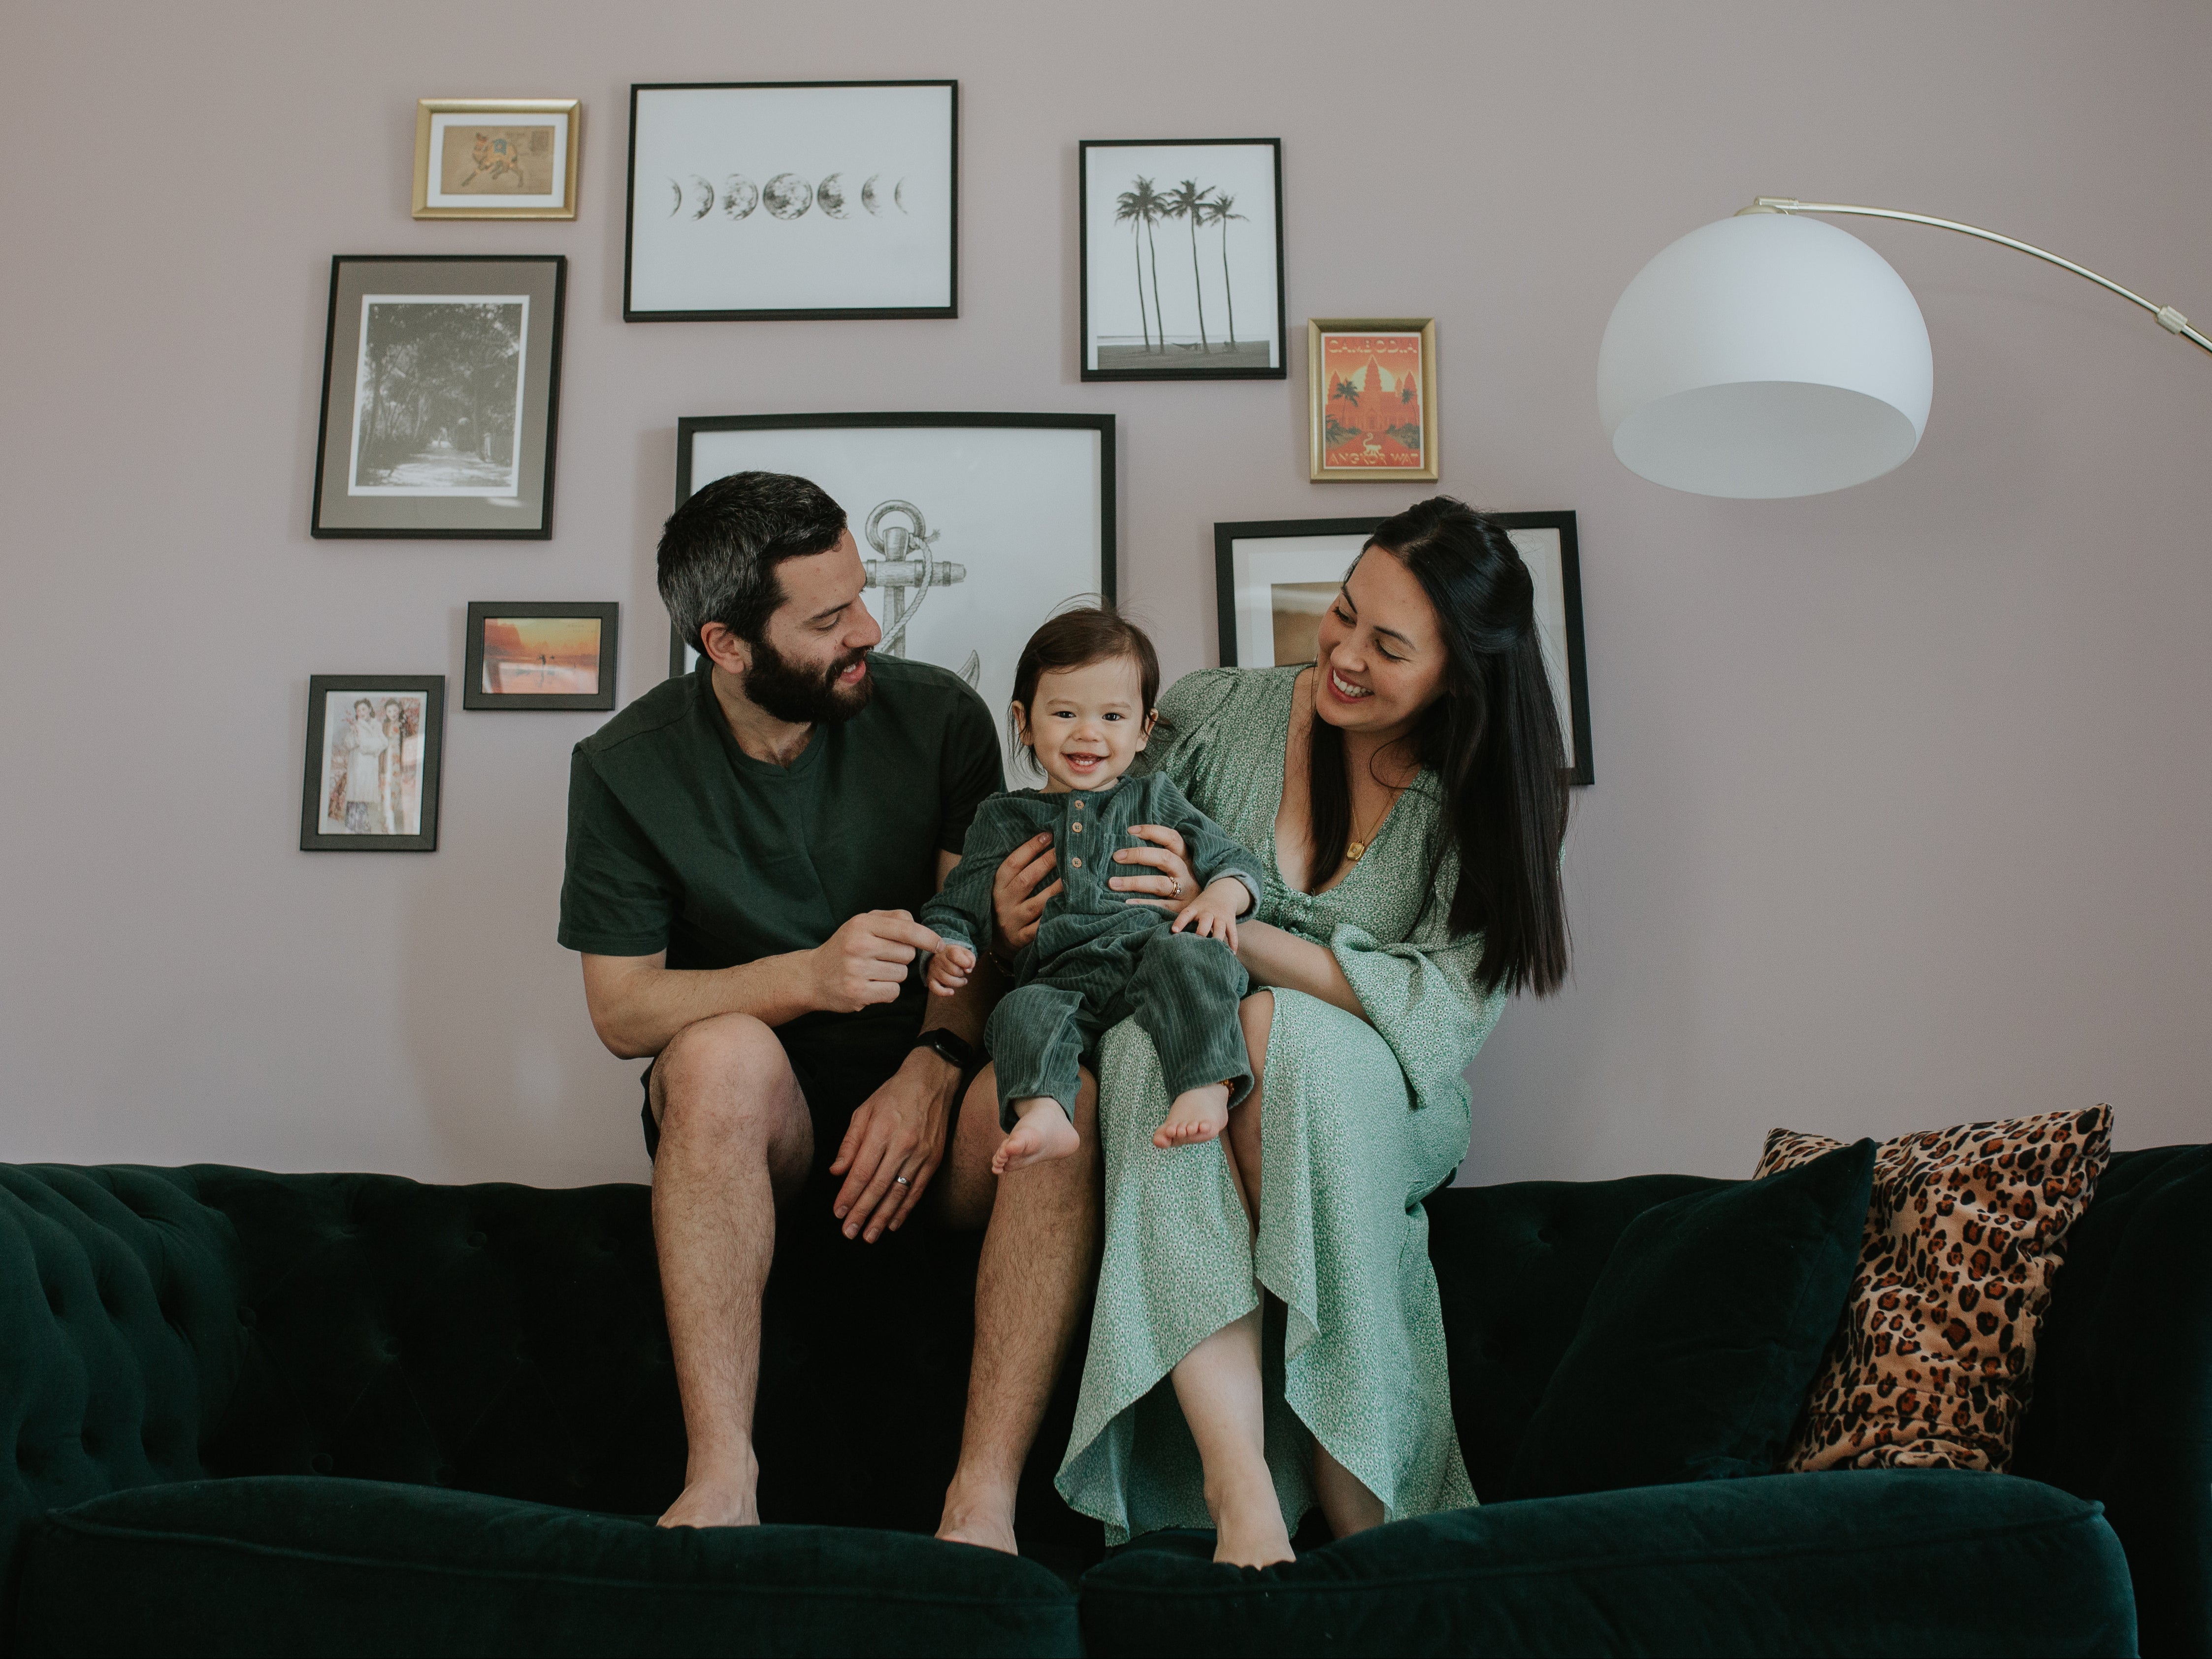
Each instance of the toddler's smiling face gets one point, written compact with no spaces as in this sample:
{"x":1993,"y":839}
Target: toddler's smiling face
{"x":1086,"y":724}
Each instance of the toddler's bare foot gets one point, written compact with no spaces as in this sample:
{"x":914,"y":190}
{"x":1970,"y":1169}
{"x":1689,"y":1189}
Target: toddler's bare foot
{"x":1198,"y":1114}
{"x":1043,"y":1133}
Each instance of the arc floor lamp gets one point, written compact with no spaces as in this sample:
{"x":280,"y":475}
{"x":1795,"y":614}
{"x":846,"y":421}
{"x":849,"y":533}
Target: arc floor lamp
{"x":1769,"y":355}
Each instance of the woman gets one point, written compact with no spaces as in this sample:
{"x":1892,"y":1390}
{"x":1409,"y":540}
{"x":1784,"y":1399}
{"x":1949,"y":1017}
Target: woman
{"x":1406,"y":795}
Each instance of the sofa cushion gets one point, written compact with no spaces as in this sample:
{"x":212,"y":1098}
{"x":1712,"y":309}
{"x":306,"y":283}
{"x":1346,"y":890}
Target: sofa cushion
{"x":1702,"y":1335}
{"x":1515,"y":1267}
{"x":1934,"y":1364}
{"x":1890,"y":1562}
{"x":280,"y":1564}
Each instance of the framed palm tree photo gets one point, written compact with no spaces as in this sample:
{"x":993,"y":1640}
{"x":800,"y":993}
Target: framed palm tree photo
{"x":1181,"y":259}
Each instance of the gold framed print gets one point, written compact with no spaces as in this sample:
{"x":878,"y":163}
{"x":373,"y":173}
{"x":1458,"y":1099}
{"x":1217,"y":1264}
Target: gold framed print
{"x":1371,"y":388}
{"x":496,"y":158}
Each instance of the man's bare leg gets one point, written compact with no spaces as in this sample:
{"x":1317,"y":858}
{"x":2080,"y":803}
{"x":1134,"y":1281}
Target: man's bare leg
{"x":734,"y":1136}
{"x":1039,"y":1256}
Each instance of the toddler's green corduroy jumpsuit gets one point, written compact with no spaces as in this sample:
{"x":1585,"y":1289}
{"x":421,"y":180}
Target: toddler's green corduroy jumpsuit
{"x":1096,"y":959}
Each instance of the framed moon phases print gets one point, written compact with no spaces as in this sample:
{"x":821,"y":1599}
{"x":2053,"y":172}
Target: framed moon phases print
{"x":766,"y":199}
{"x":1273,"y":578}
{"x":1213,"y":309}
{"x":496,"y":158}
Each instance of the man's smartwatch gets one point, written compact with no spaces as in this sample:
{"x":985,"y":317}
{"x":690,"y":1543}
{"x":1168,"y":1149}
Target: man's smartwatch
{"x":953,"y":1049}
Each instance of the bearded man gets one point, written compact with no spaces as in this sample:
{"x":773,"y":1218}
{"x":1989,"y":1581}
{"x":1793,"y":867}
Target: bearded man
{"x":747,"y":846}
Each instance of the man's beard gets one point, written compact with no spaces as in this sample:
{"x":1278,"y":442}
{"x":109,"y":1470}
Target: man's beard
{"x":801,"y":696}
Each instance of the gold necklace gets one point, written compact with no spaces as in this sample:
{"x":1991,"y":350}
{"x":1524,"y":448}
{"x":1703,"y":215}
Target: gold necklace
{"x":1353,"y":848}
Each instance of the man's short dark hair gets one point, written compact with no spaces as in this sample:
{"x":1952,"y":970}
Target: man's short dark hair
{"x":719,"y":551}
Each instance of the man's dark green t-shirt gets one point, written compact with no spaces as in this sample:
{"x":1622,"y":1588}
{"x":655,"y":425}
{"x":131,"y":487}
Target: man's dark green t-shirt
{"x":680,"y":841}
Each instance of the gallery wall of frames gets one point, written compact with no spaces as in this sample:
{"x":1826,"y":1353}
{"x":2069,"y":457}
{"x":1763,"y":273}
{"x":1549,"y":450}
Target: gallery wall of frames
{"x":833,"y":202}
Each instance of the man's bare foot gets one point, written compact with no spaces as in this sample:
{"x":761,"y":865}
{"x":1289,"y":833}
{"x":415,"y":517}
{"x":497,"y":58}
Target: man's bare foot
{"x":1198,"y":1114}
{"x":985,"y":1521}
{"x":1043,"y":1133}
{"x":1249,"y":1530}
{"x":723,"y":1497}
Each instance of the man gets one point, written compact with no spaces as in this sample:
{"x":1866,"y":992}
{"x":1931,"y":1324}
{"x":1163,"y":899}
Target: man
{"x":747,"y":845}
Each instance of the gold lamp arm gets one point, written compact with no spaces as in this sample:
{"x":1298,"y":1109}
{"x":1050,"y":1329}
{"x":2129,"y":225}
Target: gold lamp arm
{"x":2168,"y":319}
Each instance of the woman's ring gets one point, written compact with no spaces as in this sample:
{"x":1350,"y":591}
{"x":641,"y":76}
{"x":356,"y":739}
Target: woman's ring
{"x":901,"y":1180}
{"x":1178,"y":894}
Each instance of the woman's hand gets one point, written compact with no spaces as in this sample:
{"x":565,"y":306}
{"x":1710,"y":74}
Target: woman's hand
{"x":1014,"y":908}
{"x":1172,"y":885}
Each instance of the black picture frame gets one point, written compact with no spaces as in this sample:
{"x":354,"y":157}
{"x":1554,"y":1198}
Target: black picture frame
{"x":688,"y":428}
{"x":481,"y":612}
{"x":1575,"y":668}
{"x":336,"y":512}
{"x":1278,"y":371}
{"x":634,"y":313}
{"x":314,"y":789}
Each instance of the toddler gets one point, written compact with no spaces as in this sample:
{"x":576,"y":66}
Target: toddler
{"x":1083,"y":709}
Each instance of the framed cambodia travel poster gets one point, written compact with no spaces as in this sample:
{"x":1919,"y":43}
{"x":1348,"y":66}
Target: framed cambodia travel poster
{"x":1274,"y":578}
{"x":531,"y":654}
{"x":1373,"y":386}
{"x":1181,"y":259}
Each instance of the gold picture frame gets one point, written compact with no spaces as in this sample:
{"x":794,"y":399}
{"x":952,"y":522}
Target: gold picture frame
{"x":496,"y":158}
{"x":1360,"y":432}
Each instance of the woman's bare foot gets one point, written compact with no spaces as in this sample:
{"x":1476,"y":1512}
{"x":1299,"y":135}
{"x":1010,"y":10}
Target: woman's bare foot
{"x":1043,"y":1133}
{"x":1198,"y":1114}
{"x":721,"y":1496}
{"x":1249,"y":1530}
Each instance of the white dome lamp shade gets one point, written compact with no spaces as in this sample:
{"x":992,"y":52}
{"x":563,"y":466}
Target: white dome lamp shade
{"x":1765,"y":356}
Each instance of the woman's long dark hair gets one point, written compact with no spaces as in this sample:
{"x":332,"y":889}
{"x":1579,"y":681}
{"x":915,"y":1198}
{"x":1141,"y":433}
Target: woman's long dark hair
{"x":1492,"y":740}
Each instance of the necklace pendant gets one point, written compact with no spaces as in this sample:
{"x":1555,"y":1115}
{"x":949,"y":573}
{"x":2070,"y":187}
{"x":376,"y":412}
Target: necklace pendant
{"x":1353,"y":851}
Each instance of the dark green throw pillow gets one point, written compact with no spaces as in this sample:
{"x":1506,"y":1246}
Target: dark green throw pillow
{"x":1702,"y":1336}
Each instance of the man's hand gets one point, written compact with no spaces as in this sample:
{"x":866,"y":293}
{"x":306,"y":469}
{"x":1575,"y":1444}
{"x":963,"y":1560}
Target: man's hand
{"x":949,"y":969}
{"x":864,"y":961}
{"x":1016,"y":909}
{"x":1214,"y":913}
{"x":898,"y":1131}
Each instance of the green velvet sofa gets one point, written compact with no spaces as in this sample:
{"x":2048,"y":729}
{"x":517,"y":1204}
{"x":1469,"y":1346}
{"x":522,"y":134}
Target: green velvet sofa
{"x":263,"y":1413}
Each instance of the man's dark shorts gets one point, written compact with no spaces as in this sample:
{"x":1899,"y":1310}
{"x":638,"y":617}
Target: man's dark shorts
{"x":839,"y":1059}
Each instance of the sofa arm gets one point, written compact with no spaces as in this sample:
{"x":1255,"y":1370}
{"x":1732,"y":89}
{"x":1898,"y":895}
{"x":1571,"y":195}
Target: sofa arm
{"x":119,"y":1337}
{"x":2123,"y":1406}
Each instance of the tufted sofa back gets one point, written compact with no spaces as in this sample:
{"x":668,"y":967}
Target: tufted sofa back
{"x":163,"y":1324}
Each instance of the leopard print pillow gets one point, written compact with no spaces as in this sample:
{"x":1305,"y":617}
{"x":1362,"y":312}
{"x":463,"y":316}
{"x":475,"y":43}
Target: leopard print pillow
{"x":1934,"y":1362}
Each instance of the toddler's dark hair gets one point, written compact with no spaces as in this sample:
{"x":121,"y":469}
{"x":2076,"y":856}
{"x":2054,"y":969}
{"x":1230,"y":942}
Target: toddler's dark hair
{"x":1076,"y":639}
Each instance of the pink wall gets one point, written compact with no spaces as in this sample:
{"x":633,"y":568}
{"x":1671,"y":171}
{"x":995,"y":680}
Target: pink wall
{"x":1904,"y":792}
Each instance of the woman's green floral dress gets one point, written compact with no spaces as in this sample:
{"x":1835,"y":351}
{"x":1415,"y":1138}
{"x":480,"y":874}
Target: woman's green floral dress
{"x":1360,"y":1122}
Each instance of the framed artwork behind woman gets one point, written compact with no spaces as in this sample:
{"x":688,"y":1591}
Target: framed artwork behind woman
{"x":1273,"y":578}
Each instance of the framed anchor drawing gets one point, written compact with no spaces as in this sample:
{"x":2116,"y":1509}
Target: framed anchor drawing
{"x":972,"y":529}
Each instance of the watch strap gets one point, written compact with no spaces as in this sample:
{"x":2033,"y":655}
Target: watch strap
{"x":956,"y":1050}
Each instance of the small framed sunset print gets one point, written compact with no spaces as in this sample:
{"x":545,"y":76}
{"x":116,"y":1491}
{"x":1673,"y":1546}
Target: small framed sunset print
{"x":1372,"y":387}
{"x":528,"y":654}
